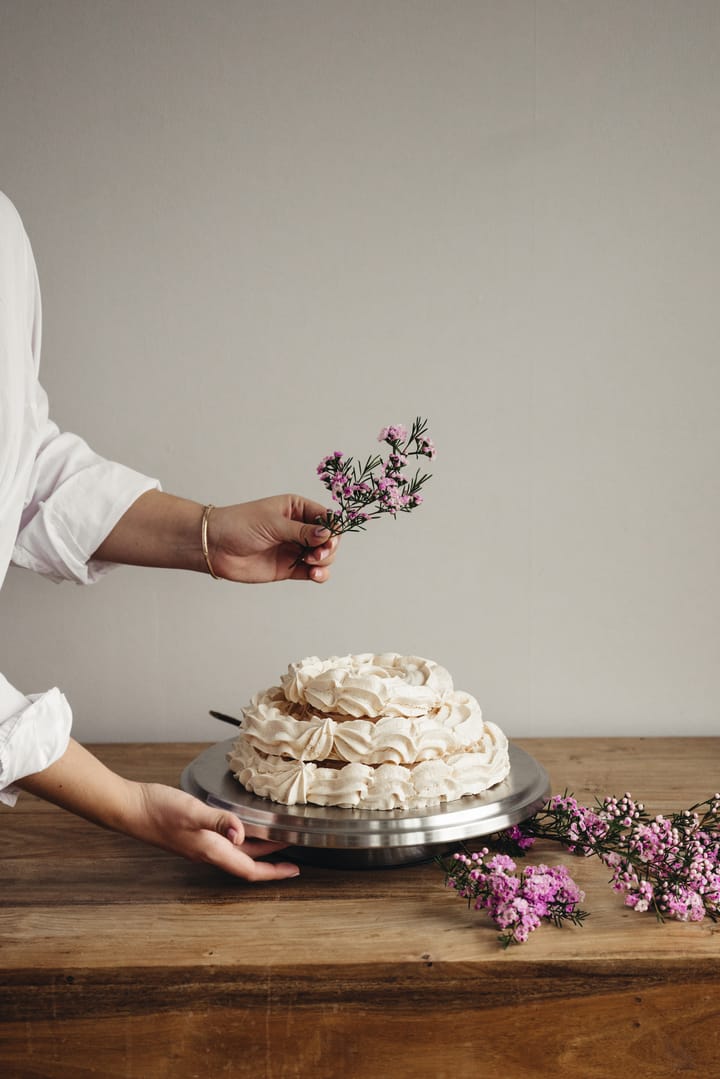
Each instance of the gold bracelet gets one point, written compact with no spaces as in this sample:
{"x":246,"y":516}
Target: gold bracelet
{"x":204,"y":541}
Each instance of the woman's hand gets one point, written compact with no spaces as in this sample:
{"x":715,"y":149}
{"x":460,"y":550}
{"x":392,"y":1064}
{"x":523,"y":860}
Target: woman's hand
{"x":273,"y":539}
{"x":177,"y":822}
{"x":155,"y":814}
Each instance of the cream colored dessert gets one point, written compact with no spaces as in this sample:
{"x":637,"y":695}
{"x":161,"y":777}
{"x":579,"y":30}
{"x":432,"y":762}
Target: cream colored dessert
{"x":368,"y":685}
{"x":377,"y":731}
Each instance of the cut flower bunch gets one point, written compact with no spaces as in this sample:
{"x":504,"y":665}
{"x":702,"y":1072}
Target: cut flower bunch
{"x":364,"y":492}
{"x":516,"y":903}
{"x":669,"y":865}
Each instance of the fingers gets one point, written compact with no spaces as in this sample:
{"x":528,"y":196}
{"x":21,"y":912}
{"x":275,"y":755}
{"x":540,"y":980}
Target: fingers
{"x":273,"y":539}
{"x":252,"y":846}
{"x":224,"y":853}
{"x":260,"y":871}
{"x":313,"y":563}
{"x":304,"y":571}
{"x":240,"y":864}
{"x":308,"y":511}
{"x":235,"y":853}
{"x":298,"y":526}
{"x":177,"y":822}
{"x":303,"y":516}
{"x":313,"y":536}
{"x":256,"y":848}
{"x":319,"y":559}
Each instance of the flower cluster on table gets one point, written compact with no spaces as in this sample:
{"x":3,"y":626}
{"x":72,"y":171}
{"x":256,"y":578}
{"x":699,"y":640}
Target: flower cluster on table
{"x":668,"y":865}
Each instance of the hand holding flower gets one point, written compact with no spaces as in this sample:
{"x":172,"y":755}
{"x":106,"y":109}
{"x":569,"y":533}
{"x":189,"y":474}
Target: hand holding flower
{"x":258,"y":541}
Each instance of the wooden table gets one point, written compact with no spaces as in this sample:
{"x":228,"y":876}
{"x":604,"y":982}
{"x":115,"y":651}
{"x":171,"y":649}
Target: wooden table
{"x":120,"y":960}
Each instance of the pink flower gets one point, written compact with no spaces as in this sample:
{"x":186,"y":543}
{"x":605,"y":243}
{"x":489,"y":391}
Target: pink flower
{"x":517,"y":903}
{"x":364,"y":492}
{"x":397,"y":432}
{"x":670,"y":864}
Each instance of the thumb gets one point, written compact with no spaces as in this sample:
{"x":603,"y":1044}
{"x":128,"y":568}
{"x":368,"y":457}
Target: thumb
{"x":307,"y":535}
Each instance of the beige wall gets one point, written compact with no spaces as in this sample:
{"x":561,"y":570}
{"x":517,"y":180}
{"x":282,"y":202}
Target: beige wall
{"x":264,"y":230}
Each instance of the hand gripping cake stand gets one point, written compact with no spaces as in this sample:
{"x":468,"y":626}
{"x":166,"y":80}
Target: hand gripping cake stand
{"x":366,"y":838}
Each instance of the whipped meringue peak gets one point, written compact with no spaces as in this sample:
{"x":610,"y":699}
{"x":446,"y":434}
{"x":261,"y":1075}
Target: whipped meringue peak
{"x":368,"y":685}
{"x":381,"y":731}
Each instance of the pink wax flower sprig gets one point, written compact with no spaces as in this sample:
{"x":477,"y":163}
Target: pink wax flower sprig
{"x":517,"y":903}
{"x":364,"y":492}
{"x":667,"y":864}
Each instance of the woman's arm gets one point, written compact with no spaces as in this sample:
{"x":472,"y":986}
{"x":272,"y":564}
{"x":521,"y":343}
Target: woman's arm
{"x":155,"y":814}
{"x":252,"y":542}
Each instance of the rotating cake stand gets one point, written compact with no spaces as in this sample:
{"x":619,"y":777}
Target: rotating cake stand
{"x":365,"y":838}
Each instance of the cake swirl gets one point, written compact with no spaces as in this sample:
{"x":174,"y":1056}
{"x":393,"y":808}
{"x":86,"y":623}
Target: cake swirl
{"x":272,"y":724}
{"x":385,"y":787}
{"x":378,"y":731}
{"x":368,"y":685}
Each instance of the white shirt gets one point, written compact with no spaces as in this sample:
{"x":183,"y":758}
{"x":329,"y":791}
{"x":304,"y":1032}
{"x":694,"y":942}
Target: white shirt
{"x":58,"y":499}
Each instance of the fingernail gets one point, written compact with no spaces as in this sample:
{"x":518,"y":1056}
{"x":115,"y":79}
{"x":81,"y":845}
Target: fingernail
{"x":318,"y":533}
{"x":232,"y":834}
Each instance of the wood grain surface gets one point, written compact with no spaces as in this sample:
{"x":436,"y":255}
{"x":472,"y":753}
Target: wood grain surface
{"x":121,"y":960}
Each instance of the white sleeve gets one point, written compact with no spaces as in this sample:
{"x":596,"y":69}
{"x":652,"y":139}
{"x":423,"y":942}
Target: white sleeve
{"x":34,"y":733}
{"x":75,"y":499}
{"x":58,"y":499}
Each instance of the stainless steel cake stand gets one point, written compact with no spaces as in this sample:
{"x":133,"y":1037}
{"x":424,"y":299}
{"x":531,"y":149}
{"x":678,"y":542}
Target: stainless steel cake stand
{"x":366,"y":838}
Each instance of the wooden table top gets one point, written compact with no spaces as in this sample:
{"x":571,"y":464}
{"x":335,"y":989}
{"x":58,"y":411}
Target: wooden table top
{"x":104,"y":938}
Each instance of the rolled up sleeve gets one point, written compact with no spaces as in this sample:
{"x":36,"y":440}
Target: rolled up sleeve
{"x":58,"y":499}
{"x":34,"y":733}
{"x":76,"y":498}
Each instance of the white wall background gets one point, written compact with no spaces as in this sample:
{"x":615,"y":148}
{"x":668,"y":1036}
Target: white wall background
{"x":266,"y":229}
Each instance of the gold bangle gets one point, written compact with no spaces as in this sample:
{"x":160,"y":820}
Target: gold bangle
{"x":204,"y":540}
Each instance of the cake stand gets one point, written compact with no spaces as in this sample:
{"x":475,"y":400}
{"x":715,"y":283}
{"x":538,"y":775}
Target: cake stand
{"x":367,"y":838}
